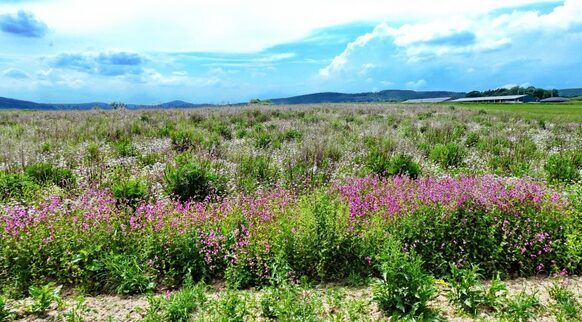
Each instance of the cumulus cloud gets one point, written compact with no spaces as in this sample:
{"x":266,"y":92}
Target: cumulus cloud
{"x":23,"y":24}
{"x":339,"y":61}
{"x":461,"y":35}
{"x":106,"y":64}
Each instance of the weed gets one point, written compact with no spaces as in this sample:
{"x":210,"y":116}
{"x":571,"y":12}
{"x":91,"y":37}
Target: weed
{"x":466,"y":291}
{"x":566,"y":307}
{"x":522,"y":307}
{"x":404,"y":288}
{"x":43,"y":297}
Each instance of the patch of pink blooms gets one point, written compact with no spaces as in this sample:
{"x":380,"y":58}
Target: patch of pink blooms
{"x":397,"y":196}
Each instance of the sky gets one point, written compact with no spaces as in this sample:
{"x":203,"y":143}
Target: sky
{"x":219,"y":51}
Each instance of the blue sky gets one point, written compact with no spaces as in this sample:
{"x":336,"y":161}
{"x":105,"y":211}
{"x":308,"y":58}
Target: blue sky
{"x":66,"y":51}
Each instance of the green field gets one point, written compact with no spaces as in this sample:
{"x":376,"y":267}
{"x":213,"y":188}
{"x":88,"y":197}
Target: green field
{"x":568,"y":112}
{"x":343,"y":212}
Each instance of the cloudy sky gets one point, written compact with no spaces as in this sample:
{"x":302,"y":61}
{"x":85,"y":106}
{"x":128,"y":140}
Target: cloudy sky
{"x":219,"y":51}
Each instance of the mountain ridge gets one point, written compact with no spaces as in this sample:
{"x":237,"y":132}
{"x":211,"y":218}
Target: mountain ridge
{"x":390,"y":95}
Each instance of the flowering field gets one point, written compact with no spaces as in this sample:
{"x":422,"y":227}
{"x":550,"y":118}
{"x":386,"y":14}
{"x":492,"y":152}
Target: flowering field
{"x":131,"y":202}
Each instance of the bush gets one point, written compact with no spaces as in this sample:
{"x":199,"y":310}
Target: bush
{"x":193,"y":181}
{"x":291,"y":134}
{"x":399,"y":164}
{"x":404,"y":288}
{"x":181,"y":141}
{"x":16,"y":186}
{"x":472,"y":139}
{"x":254,"y":171}
{"x":125,"y":148}
{"x":492,"y":240}
{"x":125,"y":275}
{"x":402,"y":164}
{"x":44,"y":173}
{"x":129,"y":192}
{"x":564,"y":168}
{"x":264,"y":139}
{"x":465,"y":290}
{"x":447,"y":155}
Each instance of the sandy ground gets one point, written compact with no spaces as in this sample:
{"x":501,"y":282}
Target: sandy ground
{"x":132,"y":308}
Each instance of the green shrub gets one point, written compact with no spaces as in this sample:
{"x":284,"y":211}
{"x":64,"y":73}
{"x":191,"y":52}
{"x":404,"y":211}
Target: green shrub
{"x":125,"y":275}
{"x":496,"y":295}
{"x":150,"y":158}
{"x":264,"y":139}
{"x":466,"y":291}
{"x":255,"y":171}
{"x":193,"y":181}
{"x":563,"y":168}
{"x":399,"y":164}
{"x":43,"y":297}
{"x":447,"y":155}
{"x":16,"y":186}
{"x":402,"y":164}
{"x":181,"y":140}
{"x":473,"y":139}
{"x":181,"y":304}
{"x":46,"y":147}
{"x":93,"y":154}
{"x":129,"y":191}
{"x":291,"y":134}
{"x":232,"y":306}
{"x":44,"y":173}
{"x":125,"y":148}
{"x":404,"y":288}
{"x":492,"y":240}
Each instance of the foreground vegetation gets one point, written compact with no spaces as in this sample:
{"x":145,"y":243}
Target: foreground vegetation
{"x":517,"y":300}
{"x":133,"y":202}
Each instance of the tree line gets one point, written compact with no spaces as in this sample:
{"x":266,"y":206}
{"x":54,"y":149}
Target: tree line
{"x":539,"y":93}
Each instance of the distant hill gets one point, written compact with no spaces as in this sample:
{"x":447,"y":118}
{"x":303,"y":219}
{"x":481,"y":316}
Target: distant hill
{"x":571,"y":92}
{"x":18,"y":104}
{"x":9,"y":103}
{"x":392,"y":95}
{"x":181,"y":104}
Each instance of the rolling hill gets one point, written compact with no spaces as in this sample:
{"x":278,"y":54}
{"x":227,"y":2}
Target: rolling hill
{"x":393,"y":95}
{"x":571,"y":92}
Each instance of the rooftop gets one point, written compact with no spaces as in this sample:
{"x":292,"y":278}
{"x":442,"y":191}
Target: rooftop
{"x":554,"y":100}
{"x":429,"y":100}
{"x":489,"y":98}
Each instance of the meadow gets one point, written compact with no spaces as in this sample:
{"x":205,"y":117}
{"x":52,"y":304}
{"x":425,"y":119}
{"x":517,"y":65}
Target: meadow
{"x":393,"y":205}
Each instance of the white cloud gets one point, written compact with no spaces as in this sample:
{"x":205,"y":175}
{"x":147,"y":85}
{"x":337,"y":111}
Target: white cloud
{"x":461,"y":34}
{"x":366,"y":68}
{"x":223,"y":25}
{"x":339,"y":61}
{"x":416,"y":84}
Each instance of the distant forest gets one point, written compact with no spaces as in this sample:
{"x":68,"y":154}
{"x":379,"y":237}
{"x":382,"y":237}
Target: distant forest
{"x":533,"y":91}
